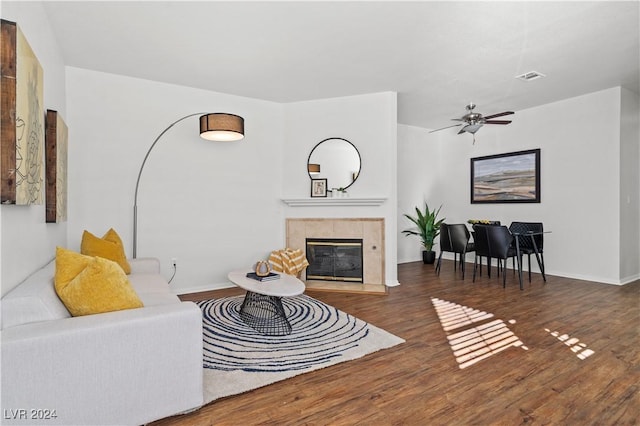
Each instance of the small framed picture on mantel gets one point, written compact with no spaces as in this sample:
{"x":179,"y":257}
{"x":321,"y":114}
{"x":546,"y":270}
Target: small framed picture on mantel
{"x":318,"y":188}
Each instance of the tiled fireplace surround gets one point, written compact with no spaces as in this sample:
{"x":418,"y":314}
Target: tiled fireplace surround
{"x":370,"y":230}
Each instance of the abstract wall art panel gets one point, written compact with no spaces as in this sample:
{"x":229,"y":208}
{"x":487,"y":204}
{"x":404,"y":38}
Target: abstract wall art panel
{"x":22,"y":120}
{"x":56,"y":148}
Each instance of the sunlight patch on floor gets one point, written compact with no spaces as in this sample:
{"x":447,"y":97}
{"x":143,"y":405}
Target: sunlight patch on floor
{"x":454,"y":316}
{"x":474,"y":344}
{"x":577,"y":347}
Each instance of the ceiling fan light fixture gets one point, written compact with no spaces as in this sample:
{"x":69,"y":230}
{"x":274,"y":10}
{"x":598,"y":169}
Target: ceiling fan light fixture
{"x":472,"y":128}
{"x":530,"y":76}
{"x":473,"y":121}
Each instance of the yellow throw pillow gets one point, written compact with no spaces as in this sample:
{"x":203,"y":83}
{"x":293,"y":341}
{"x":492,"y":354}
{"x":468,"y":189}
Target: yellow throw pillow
{"x":68,"y":265}
{"x":109,"y":246}
{"x":92,"y":285}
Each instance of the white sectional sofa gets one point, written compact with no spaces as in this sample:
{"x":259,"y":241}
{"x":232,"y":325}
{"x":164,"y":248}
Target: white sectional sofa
{"x":127,"y":367}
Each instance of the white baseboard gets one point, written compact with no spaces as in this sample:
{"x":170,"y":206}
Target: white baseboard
{"x":220,"y":286}
{"x":534,"y":269}
{"x":395,"y":283}
{"x":600,"y":280}
{"x":200,"y":289}
{"x":630,"y":279}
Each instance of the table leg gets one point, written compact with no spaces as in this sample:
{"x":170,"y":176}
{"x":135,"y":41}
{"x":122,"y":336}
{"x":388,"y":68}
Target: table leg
{"x":265,"y":314}
{"x":518,"y":255}
{"x":535,"y":249}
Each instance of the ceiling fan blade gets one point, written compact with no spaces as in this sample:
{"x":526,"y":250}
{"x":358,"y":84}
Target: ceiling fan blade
{"x":499,"y":115}
{"x":497,"y":121}
{"x":462,"y":131}
{"x":457,"y":119}
{"x":442,"y":128}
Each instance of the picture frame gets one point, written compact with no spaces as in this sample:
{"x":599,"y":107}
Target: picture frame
{"x":318,"y":188}
{"x":513,"y":177}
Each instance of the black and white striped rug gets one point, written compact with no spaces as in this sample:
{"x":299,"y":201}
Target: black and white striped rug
{"x":237,"y":358}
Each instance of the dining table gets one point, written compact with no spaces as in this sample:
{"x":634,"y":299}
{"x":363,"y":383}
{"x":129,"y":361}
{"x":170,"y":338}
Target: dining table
{"x":517,"y":238}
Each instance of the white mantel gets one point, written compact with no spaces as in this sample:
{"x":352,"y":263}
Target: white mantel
{"x":333,"y":201}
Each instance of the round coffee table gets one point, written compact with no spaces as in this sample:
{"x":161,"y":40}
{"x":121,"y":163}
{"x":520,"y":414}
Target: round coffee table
{"x":262,"y":307}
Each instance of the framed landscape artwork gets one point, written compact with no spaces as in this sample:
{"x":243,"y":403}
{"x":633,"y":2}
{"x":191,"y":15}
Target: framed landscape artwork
{"x":513,"y":177}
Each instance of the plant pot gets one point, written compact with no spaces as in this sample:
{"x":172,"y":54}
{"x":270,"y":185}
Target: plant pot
{"x":428,"y":257}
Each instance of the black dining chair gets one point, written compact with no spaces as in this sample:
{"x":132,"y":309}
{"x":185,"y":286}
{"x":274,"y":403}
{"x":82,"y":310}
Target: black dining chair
{"x":501,"y":247}
{"x":527,"y":242}
{"x":481,"y":245}
{"x":484,"y":223}
{"x":493,"y":241}
{"x":454,"y":238}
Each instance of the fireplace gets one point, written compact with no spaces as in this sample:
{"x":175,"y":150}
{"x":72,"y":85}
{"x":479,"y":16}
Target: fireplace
{"x":334,"y":259}
{"x":369,"y":231}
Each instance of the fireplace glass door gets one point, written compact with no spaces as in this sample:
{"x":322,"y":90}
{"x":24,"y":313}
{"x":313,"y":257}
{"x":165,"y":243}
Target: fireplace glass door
{"x":334,"y":259}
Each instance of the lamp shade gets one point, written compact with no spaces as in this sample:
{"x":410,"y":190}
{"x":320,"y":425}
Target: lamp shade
{"x":221,"y":127}
{"x":313,"y":169}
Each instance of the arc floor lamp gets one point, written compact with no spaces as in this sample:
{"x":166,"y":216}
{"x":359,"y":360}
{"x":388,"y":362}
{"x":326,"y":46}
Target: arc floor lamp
{"x":214,"y":127}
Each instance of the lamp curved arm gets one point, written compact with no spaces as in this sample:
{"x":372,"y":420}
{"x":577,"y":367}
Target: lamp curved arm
{"x":144,"y":161}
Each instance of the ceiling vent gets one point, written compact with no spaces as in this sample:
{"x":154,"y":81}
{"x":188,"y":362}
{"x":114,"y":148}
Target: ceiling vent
{"x":531,"y":75}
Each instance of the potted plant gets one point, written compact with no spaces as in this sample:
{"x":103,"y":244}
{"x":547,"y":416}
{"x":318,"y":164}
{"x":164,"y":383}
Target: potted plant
{"x":428,"y":228}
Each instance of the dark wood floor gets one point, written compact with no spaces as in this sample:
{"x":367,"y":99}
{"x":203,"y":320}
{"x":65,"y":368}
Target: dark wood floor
{"x":420,"y":382}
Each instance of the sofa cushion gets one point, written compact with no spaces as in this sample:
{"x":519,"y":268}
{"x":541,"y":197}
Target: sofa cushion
{"x":99,"y":285}
{"x":149,"y":283}
{"x":156,"y":299}
{"x":33,"y":300}
{"x":144,"y":265}
{"x":109,"y":246}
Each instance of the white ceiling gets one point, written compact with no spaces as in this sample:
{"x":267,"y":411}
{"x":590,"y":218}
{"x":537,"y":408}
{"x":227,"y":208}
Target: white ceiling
{"x":438,"y":56}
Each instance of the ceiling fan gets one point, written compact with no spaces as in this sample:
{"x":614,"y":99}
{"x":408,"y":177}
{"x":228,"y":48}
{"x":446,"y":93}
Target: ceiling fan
{"x":472,"y":121}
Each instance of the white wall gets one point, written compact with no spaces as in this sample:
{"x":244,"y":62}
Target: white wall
{"x":27,"y":241}
{"x":232,"y":215}
{"x":580,"y":177}
{"x":212,"y":205}
{"x":419,"y":181}
{"x":629,"y":186}
{"x":370,"y":123}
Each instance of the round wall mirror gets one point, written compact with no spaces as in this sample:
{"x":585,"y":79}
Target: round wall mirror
{"x":336,"y":160}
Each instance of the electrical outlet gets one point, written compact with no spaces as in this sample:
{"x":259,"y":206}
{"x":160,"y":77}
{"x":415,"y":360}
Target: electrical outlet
{"x":174,"y":262}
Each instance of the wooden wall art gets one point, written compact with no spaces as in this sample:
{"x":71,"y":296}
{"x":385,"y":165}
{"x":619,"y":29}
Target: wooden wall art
{"x":56,"y":148}
{"x":21,"y":119}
